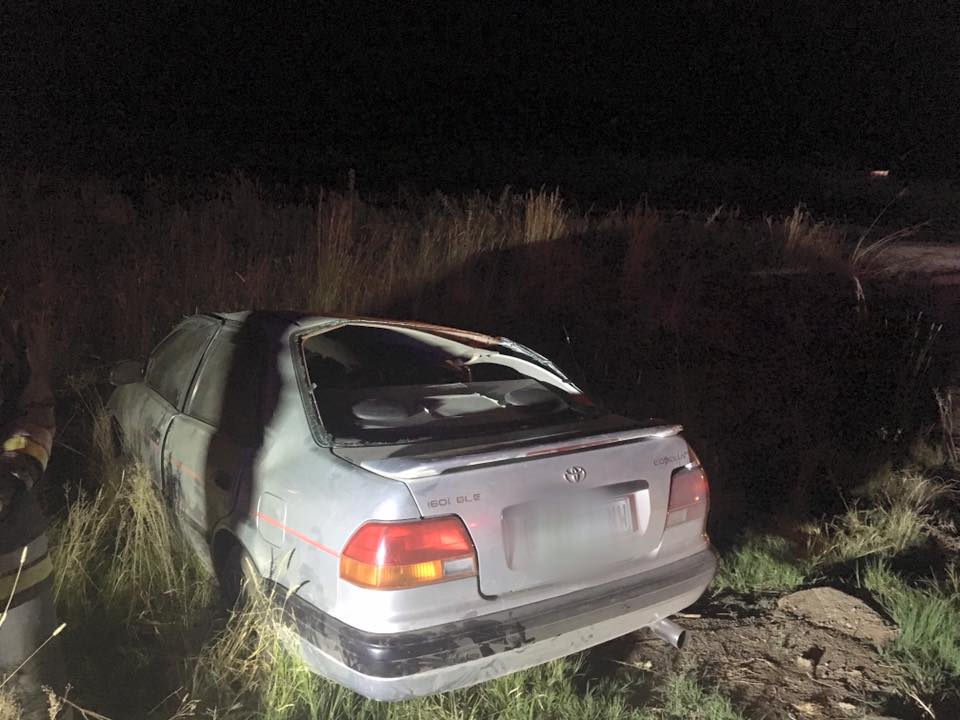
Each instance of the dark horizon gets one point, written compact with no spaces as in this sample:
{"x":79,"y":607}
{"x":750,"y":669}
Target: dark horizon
{"x":441,"y":94}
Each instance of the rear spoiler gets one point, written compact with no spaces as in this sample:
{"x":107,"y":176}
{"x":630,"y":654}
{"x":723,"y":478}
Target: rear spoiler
{"x":414,"y":467}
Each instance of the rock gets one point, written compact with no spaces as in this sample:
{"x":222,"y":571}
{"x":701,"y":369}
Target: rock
{"x":835,"y":610}
{"x":846,"y":708}
{"x":808,"y":709}
{"x":804,"y":664}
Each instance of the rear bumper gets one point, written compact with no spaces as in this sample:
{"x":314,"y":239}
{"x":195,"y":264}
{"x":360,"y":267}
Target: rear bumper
{"x":459,"y":654}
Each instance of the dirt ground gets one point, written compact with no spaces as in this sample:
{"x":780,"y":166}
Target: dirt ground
{"x":939,"y":262}
{"x":776,"y":664}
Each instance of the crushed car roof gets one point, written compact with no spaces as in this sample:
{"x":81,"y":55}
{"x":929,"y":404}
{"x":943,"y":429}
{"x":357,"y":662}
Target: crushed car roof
{"x":306,"y":320}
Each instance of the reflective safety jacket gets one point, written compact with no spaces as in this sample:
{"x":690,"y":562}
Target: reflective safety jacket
{"x":26,"y":436}
{"x":26,"y":405}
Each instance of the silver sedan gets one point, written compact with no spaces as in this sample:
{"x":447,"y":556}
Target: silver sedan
{"x":444,"y":507}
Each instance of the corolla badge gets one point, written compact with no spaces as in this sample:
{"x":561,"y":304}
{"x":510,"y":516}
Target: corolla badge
{"x":574,"y":474}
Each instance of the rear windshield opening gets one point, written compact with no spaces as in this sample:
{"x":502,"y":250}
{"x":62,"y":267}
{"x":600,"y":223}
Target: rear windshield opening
{"x":375,"y":383}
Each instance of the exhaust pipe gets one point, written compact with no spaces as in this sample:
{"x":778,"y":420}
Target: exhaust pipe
{"x":670,"y":632}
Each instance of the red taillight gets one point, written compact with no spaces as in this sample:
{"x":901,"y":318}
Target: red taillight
{"x":393,"y":555}
{"x":689,"y":495}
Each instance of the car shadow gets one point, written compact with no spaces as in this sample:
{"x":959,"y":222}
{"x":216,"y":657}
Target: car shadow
{"x":791,"y":389}
{"x":248,"y":406}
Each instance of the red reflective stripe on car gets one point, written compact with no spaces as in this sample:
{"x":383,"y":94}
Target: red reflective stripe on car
{"x":186,"y":469}
{"x":190,"y":472}
{"x":300,"y":536}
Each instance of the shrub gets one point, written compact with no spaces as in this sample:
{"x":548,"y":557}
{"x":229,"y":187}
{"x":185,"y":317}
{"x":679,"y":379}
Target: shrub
{"x":686,"y":699}
{"x":892,"y":516}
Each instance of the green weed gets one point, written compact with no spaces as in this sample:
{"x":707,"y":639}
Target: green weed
{"x":763,"y":563}
{"x":686,"y":699}
{"x":928,"y":646}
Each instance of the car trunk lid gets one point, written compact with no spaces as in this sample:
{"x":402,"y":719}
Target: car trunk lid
{"x":545,"y":510}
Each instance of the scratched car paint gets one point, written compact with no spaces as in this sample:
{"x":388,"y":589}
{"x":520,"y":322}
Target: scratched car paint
{"x":444,"y":507}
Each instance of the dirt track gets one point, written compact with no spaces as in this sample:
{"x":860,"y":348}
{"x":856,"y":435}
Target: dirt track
{"x":936,"y":263}
{"x":778,"y":666}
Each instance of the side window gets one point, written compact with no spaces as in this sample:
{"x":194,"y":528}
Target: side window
{"x":174,"y":361}
{"x":231,"y":386}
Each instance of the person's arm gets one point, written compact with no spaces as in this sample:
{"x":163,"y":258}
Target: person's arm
{"x":26,"y":441}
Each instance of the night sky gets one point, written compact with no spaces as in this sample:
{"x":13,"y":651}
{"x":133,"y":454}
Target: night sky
{"x":467,"y":93}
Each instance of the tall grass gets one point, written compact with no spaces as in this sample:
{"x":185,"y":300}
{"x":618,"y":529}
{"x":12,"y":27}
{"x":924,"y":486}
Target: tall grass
{"x":894,"y":514}
{"x":806,"y":241}
{"x":123,"y":268}
{"x":116,"y":549}
{"x":133,"y":594}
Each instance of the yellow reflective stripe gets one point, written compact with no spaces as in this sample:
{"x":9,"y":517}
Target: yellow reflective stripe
{"x":28,"y":446}
{"x":34,"y":575}
{"x":37,"y":433}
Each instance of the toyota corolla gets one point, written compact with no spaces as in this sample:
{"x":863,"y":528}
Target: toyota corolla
{"x":435,"y":507}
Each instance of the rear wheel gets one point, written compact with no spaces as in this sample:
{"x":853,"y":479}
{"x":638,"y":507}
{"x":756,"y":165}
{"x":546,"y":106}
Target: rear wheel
{"x":240,"y":581}
{"x":117,"y":446}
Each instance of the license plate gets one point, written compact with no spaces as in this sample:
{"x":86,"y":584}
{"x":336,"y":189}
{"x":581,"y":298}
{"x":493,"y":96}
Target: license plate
{"x":562,"y":532}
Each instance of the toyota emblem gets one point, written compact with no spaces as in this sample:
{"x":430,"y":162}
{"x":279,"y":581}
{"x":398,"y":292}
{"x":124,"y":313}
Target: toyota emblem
{"x":574,"y":474}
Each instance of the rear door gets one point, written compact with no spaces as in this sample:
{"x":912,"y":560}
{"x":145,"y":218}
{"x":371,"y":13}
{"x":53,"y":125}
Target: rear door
{"x":214,"y":443}
{"x":169,"y":374}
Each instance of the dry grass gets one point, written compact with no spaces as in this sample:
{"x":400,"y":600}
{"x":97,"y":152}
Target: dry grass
{"x":806,"y":241}
{"x":892,"y":513}
{"x":149,"y":563}
{"x":117,"y":549}
{"x":247,"y":665}
{"x":131,"y":271}
{"x":9,"y":707}
{"x":895,"y":515}
{"x":124,"y":268}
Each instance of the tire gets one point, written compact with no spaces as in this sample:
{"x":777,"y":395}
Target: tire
{"x":117,"y":446}
{"x":240,"y":581}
